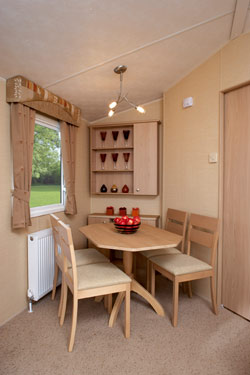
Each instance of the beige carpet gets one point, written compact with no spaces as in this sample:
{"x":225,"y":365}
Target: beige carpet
{"x":201,"y":344}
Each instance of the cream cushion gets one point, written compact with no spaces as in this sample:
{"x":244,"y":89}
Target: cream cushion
{"x":152,"y":253}
{"x":99,"y":275}
{"x":180,"y":264}
{"x":88,"y":256}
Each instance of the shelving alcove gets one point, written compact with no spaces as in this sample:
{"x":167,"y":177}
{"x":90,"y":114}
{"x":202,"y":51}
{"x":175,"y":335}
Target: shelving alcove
{"x":140,"y":173}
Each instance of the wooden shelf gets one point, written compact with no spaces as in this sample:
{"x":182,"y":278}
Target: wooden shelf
{"x":103,"y":215}
{"x":112,"y":170}
{"x":141,"y":177}
{"x":113,"y":193}
{"x":112,"y":148}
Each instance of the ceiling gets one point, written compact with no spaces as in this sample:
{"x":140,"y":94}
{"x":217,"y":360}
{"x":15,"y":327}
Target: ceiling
{"x":72,"y":47}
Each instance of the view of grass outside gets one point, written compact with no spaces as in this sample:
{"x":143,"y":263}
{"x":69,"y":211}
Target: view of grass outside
{"x":41,"y":195}
{"x":46,"y":167}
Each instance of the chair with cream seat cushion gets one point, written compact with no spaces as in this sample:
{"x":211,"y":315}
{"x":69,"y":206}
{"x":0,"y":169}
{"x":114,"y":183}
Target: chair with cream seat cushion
{"x":83,"y":257}
{"x":202,"y":230}
{"x":176,"y":222}
{"x":89,"y":280}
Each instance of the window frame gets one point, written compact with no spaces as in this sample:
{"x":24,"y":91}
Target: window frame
{"x":57,"y":207}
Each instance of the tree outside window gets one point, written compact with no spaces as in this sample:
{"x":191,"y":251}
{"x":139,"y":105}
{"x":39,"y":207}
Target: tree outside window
{"x":46,"y":188}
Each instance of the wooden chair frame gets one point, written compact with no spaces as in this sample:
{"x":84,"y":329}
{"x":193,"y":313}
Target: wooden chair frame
{"x":197,"y":233}
{"x":176,"y":222}
{"x":83,"y":259}
{"x":58,"y":259}
{"x":71,"y":283}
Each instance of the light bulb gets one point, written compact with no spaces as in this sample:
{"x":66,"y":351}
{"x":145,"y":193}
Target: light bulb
{"x":140,"y":109}
{"x":111,"y":112}
{"x":113,"y":105}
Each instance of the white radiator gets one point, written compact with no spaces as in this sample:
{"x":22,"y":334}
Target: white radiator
{"x":40,"y":263}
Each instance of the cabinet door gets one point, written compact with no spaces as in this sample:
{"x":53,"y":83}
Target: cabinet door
{"x":146,"y":158}
{"x":98,"y":220}
{"x":149,"y":222}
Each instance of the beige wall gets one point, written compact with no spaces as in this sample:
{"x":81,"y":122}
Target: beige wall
{"x":13,"y":247}
{"x":147,"y":205}
{"x":190,"y":182}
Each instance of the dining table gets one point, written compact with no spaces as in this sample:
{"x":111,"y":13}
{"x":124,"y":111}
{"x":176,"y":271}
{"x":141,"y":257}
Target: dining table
{"x":147,"y":237}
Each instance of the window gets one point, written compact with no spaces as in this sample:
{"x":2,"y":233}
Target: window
{"x":47,"y":188}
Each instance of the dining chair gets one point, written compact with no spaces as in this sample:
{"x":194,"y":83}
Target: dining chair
{"x":176,"y":222}
{"x":83,"y":256}
{"x":89,"y":280}
{"x":202,"y":230}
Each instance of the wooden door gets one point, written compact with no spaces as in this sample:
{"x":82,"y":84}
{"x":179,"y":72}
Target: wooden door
{"x":236,"y":203}
{"x":146,"y":158}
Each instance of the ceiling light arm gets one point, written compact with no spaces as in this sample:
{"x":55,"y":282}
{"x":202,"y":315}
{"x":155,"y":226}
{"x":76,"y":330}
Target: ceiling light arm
{"x":120,"y":97}
{"x":120,"y":69}
{"x":132,"y":104}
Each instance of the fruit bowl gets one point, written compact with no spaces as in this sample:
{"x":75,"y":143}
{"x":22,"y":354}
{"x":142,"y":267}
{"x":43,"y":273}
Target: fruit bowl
{"x":126,"y":225}
{"x":127,"y":229}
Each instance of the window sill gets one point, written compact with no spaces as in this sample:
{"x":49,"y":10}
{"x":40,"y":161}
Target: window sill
{"x":46,"y":210}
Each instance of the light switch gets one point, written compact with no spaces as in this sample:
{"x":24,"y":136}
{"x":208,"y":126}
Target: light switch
{"x":213,"y":157}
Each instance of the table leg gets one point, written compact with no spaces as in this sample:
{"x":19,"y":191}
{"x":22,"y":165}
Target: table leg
{"x":128,"y":262}
{"x":139,"y":289}
{"x":135,"y":287}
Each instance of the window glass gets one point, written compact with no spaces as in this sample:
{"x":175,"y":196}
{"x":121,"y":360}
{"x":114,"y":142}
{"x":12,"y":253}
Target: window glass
{"x":47,"y":179}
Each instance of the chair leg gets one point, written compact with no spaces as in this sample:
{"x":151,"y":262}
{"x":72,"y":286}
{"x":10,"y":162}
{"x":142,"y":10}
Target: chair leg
{"x":61,"y":300}
{"x":127,"y":312}
{"x":189,"y":286}
{"x":99,"y":298}
{"x":134,"y":264}
{"x":74,"y":322}
{"x":55,"y":281}
{"x":175,"y":302}
{"x":184,"y":287}
{"x":213,"y":295}
{"x":109,"y":298}
{"x":64,"y":303}
{"x":116,"y":308}
{"x":152,"y":277}
{"x":148,"y":275}
{"x":106,"y":301}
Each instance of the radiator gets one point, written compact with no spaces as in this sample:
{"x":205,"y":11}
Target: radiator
{"x":40,"y":264}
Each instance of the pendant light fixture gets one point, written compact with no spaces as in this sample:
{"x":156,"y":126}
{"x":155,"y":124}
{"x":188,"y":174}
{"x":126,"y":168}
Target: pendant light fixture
{"x":120,"y":69}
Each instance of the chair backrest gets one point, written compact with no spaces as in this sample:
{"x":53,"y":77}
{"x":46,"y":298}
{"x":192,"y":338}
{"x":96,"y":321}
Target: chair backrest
{"x":55,"y":231}
{"x":176,"y":222}
{"x":203,"y":230}
{"x":68,"y":252}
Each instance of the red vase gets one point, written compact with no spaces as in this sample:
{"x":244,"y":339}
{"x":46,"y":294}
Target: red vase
{"x":125,"y":189}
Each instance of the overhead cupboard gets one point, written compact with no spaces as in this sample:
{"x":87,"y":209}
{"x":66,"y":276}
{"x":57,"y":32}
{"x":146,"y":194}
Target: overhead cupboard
{"x":124,"y":159}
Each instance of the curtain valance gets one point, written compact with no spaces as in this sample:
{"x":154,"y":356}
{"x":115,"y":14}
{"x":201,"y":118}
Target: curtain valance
{"x":21,"y":90}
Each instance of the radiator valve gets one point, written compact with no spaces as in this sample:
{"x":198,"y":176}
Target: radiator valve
{"x":31,"y":297}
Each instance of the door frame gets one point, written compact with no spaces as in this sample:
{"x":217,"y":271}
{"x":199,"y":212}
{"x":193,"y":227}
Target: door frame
{"x":221,"y":185}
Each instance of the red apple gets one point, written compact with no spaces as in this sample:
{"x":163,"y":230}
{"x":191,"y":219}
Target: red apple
{"x":125,"y":218}
{"x":136,"y":219}
{"x":122,"y":222}
{"x":130,"y":222}
{"x":117,"y":220}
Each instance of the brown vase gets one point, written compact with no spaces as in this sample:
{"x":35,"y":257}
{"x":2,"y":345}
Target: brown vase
{"x":114,"y":189}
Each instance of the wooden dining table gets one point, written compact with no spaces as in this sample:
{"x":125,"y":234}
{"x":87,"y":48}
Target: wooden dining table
{"x":146,"y":238}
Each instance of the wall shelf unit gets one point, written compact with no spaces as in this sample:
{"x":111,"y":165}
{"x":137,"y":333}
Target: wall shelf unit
{"x":124,"y":154}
